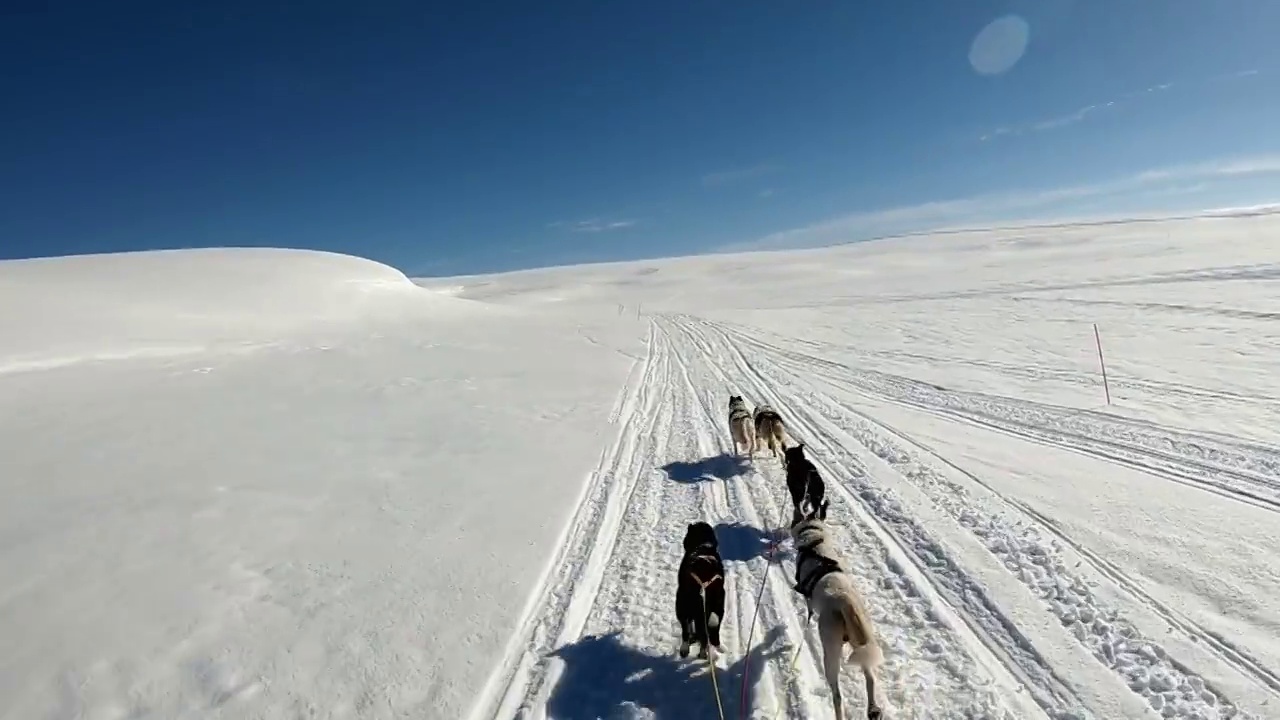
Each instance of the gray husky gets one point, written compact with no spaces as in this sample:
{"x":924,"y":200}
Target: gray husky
{"x":740,"y":426}
{"x":770,"y":430}
{"x":842,"y":615}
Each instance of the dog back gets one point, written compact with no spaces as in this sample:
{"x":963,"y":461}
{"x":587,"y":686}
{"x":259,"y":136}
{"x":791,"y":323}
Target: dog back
{"x":702,"y":568}
{"x":767,"y":421}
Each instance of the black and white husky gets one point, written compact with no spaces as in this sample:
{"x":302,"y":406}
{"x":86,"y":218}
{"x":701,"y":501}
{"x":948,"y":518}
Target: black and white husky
{"x":740,"y":428}
{"x":700,"y":590}
{"x":842,"y":615}
{"x":808,"y":491}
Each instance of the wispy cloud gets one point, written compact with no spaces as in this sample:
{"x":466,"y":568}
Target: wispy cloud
{"x":1003,"y":207}
{"x":1079,"y":115}
{"x":1053,"y":123}
{"x":766,"y":193}
{"x":727,"y":177}
{"x":594,"y":225}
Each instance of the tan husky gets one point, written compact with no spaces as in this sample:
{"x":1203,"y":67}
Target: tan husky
{"x":842,"y":615}
{"x":770,"y":430}
{"x":740,"y":426}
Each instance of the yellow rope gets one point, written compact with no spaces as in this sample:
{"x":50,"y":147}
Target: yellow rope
{"x":711,"y":653}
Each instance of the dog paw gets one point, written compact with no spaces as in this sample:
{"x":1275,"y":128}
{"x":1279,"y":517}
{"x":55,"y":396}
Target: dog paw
{"x":874,"y":713}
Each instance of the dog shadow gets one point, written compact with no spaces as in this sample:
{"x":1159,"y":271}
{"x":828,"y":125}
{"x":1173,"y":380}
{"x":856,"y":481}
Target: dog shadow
{"x":606,"y":678}
{"x":719,"y":467}
{"x":740,"y":543}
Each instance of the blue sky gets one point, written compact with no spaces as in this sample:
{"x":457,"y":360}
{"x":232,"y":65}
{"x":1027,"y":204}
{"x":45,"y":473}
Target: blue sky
{"x":472,"y":137}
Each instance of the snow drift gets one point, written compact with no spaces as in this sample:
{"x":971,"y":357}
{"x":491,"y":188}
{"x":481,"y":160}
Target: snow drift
{"x":64,"y":310}
{"x":293,"y":484}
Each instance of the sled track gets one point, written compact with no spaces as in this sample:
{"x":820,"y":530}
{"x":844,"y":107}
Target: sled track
{"x":605,"y":616}
{"x":913,"y":620}
{"x":1032,"y":555}
{"x":803,"y":683}
{"x":957,"y":601}
{"x":576,"y":569}
{"x":1245,"y":472}
{"x":599,"y":638}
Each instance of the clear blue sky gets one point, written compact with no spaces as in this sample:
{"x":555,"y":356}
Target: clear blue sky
{"x":469,"y":137}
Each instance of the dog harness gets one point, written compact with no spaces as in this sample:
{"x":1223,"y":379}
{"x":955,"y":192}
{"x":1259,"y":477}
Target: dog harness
{"x":694,"y":554}
{"x":704,"y":585}
{"x":820,"y":567}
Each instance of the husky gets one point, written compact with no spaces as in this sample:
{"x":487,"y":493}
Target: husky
{"x":770,"y":429}
{"x":740,"y":426}
{"x":808,"y":491}
{"x":842,"y":616}
{"x":700,"y":590}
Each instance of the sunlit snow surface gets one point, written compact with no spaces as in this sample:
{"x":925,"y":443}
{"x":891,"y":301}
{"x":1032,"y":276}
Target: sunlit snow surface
{"x":282,"y":484}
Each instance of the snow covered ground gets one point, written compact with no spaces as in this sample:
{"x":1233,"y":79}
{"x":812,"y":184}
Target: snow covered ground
{"x":278,"y":484}
{"x":273,"y":484}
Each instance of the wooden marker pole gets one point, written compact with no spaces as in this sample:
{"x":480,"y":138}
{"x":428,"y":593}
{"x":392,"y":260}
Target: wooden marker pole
{"x":1102,"y":363}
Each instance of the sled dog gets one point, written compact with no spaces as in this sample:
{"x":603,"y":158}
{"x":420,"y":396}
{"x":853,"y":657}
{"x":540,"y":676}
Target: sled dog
{"x":842,"y":614}
{"x":700,"y":590}
{"x":770,"y":430}
{"x":740,"y":426}
{"x":808,"y":491}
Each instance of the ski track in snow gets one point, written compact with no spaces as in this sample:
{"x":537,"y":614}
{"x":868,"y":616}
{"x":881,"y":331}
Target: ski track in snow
{"x":600,"y":637}
{"x":1029,"y":550}
{"x":953,"y":595}
{"x":1075,"y":377}
{"x":913,"y":623}
{"x":1242,"y":471}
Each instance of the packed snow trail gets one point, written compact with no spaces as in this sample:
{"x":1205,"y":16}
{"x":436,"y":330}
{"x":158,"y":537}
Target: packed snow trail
{"x":600,"y":638}
{"x":1243,"y":471}
{"x":1029,"y":552}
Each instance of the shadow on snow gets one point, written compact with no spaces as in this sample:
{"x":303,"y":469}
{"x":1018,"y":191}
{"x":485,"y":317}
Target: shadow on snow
{"x":740,"y":543}
{"x":606,"y":678}
{"x":719,"y":467}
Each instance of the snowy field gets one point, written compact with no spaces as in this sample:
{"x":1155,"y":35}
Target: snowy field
{"x":278,"y":484}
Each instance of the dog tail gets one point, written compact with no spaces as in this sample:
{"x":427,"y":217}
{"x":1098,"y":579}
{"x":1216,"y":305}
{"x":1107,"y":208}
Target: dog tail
{"x":861,"y":635}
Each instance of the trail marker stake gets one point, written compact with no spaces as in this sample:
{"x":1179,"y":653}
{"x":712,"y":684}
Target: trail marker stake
{"x":1102,"y":363}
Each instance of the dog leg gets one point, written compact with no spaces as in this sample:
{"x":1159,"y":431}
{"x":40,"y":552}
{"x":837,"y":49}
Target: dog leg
{"x":713,"y":631}
{"x":873,"y":707}
{"x":832,"y":647}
